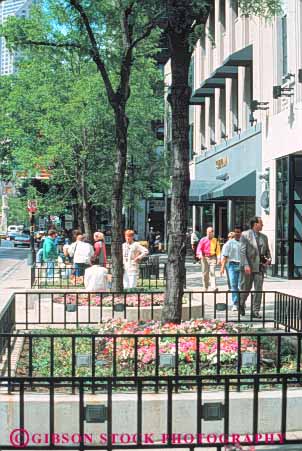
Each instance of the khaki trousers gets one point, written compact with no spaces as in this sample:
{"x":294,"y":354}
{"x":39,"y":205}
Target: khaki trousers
{"x":208,"y":266}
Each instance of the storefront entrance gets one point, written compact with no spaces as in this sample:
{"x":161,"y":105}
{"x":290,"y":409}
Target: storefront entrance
{"x":289,"y":217}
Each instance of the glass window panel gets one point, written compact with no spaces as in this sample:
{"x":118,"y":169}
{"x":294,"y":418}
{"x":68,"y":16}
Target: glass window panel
{"x":279,"y":223}
{"x":285,"y":168}
{"x":298,"y":166}
{"x":298,"y":254}
{"x":279,"y":193}
{"x":298,"y":272}
{"x":249,"y":211}
{"x":285,"y":259}
{"x":298,"y":222}
{"x":285,"y":222}
{"x":298,"y":190}
{"x":285,"y":194}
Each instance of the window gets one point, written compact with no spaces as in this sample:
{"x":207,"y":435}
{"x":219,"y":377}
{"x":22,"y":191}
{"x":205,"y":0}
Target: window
{"x":284,"y":45}
{"x":191,"y":141}
{"x":222,"y":13}
{"x":234,"y":6}
{"x":212,"y":25}
{"x":191,"y":74}
{"x":234,"y":104}
{"x":222,"y":113}
{"x":202,"y":125}
{"x":212,"y":120}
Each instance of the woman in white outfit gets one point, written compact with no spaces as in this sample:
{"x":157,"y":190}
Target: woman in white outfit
{"x":133,"y":252}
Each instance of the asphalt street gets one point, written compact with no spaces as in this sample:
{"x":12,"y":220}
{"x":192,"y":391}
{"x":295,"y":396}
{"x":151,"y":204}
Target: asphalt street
{"x":10,"y":258}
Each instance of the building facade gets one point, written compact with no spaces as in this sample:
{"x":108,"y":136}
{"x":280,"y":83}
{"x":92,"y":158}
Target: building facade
{"x":245,"y":128}
{"x":19,"y":8}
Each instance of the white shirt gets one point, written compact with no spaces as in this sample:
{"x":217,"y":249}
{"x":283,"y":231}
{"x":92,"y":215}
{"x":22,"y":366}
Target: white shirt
{"x":130,"y":252}
{"x":95,"y":278}
{"x":81,"y":252}
{"x":231,"y":250}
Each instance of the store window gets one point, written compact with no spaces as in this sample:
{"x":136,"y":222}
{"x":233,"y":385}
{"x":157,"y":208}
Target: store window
{"x":289,"y":217}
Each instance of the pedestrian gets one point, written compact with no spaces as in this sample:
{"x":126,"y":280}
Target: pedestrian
{"x":39,"y":255}
{"x":255,"y":256}
{"x":195,"y":237}
{"x":208,"y":251}
{"x":82,"y":252}
{"x":231,"y":261}
{"x":96,"y":277}
{"x":99,"y":246}
{"x":50,"y":254}
{"x":133,"y":252}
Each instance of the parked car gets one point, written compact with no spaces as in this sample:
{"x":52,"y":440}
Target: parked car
{"x":12,"y":234}
{"x":22,"y":239}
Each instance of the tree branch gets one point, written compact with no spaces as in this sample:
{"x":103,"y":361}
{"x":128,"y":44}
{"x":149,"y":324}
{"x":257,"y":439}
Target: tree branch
{"x":72,"y":45}
{"x":95,"y":51}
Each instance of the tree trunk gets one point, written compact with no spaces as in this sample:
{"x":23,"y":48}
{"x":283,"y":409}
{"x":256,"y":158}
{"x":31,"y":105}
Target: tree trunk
{"x":179,"y":99}
{"x":121,"y":123}
{"x":92,"y":215}
{"x":85,"y":202}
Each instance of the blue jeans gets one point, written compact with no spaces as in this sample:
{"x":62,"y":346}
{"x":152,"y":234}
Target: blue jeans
{"x":50,"y":270}
{"x":234,"y":275}
{"x":79,"y":269}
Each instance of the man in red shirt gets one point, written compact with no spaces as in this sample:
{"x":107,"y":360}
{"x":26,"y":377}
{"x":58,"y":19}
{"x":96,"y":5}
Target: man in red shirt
{"x":208,"y":251}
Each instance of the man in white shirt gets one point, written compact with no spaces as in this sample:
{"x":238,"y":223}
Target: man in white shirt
{"x":82,"y":252}
{"x":133,"y":252}
{"x":95,"y":278}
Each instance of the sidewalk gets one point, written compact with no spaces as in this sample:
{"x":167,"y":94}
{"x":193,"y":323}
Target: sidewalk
{"x":293,"y":287}
{"x":16,"y":278}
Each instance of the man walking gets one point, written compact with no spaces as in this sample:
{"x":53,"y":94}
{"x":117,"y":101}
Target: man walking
{"x":231,"y":257}
{"x":50,"y":254}
{"x":254,"y":258}
{"x":208,"y":251}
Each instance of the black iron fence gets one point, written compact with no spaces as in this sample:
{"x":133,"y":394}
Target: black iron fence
{"x":67,"y":308}
{"x":184,"y":414}
{"x":136,"y":355}
{"x":151,"y":275}
{"x":61,"y":308}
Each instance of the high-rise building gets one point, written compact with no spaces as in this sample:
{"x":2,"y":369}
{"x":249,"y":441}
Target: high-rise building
{"x":19,"y":8}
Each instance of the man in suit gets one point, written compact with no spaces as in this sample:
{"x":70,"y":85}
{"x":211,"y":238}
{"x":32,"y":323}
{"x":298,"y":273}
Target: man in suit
{"x":254,"y":258}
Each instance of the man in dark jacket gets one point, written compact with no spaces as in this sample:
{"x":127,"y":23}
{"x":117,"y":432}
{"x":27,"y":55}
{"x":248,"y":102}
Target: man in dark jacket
{"x":255,"y":256}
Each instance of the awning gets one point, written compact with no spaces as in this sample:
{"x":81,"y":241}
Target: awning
{"x":198,"y":188}
{"x":213,"y":82}
{"x":199,"y":95}
{"x":229,"y":69}
{"x":243,"y":57}
{"x":244,"y":186}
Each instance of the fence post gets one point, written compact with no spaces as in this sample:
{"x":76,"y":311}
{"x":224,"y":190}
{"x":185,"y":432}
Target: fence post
{"x":32,"y":275}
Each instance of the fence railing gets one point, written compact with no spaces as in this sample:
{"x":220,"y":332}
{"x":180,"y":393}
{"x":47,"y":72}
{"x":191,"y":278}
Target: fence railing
{"x":66,"y":308}
{"x":151,"y":275}
{"x":136,"y":355}
{"x":183,"y":414}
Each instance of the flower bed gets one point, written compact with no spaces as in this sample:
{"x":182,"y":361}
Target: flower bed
{"x":132,"y":300}
{"x":146,"y":349}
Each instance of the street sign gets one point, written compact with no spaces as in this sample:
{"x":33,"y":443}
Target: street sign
{"x":32,"y":206}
